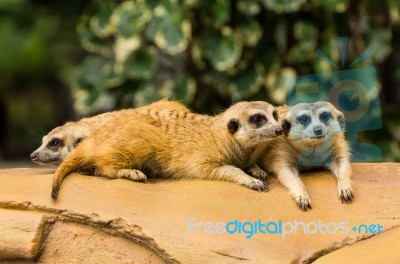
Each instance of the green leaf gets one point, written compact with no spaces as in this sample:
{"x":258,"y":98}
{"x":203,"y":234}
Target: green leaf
{"x":246,"y":84}
{"x":111,"y":76}
{"x":283,"y":6}
{"x":100,"y":21}
{"x":221,"y":50}
{"x":89,"y":72}
{"x":184,"y":89}
{"x":170,"y":32}
{"x":278,"y":81}
{"x":220,"y":12}
{"x":300,"y":53}
{"x":248,"y":7}
{"x":307,"y":35}
{"x":249,"y":32}
{"x":141,"y":64}
{"x":332,"y":5}
{"x":123,"y":47}
{"x":305,"y":31}
{"x":379,"y":40}
{"x":217,"y":79}
{"x":91,"y":42}
{"x":130,"y":18}
{"x":146,"y":93}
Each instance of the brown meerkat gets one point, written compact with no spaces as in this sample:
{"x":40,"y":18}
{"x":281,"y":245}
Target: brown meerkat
{"x":257,"y":157}
{"x":177,"y":145}
{"x":62,"y":140}
{"x":314,"y":138}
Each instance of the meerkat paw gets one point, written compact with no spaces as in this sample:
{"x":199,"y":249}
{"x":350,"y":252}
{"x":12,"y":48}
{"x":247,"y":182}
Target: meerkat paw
{"x":258,"y":173}
{"x":303,"y":202}
{"x":134,"y":175}
{"x":256,"y":184}
{"x":346,"y":194}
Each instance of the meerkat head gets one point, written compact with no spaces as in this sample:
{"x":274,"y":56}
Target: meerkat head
{"x":59,"y":143}
{"x":251,"y":123}
{"x":313,"y":122}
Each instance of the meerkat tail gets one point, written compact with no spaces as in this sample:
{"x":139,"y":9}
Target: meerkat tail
{"x":71,"y":164}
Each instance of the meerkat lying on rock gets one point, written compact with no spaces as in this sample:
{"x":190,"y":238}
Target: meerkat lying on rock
{"x":62,"y":140}
{"x":314,"y":138}
{"x":164,"y":143}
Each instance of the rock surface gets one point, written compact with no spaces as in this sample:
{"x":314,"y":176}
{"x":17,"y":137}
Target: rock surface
{"x":98,"y":220}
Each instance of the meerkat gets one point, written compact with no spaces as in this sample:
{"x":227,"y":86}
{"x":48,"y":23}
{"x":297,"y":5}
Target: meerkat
{"x":258,"y":154}
{"x":314,"y":138}
{"x":174,"y":144}
{"x":62,"y":140}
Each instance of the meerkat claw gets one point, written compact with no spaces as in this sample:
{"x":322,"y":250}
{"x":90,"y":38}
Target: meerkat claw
{"x":258,"y":185}
{"x":346,"y":195}
{"x":304,"y":203}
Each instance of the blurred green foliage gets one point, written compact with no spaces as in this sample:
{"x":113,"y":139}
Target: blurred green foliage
{"x":210,"y":53}
{"x":205,"y":53}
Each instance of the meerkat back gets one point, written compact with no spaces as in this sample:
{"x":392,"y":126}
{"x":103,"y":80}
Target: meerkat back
{"x":177,"y":144}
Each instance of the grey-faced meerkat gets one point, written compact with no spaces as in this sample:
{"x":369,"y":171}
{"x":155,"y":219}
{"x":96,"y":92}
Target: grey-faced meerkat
{"x":62,"y":140}
{"x":314,"y":138}
{"x":176,"y":144}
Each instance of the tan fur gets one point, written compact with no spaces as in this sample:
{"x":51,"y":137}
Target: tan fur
{"x":71,"y":133}
{"x":257,"y":156}
{"x":282,"y":157}
{"x":175,"y":144}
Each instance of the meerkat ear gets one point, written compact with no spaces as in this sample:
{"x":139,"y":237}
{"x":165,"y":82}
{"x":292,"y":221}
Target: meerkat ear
{"x":340,"y":117}
{"x":233,"y":126}
{"x":78,"y":140}
{"x":286,"y":126}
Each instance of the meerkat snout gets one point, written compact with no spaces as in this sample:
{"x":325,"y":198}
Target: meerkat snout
{"x":279,"y":131}
{"x":318,"y":131}
{"x":34,"y":156}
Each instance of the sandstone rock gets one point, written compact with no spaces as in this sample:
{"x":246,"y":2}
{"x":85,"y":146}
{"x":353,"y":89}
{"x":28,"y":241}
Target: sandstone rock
{"x":155,"y":216}
{"x":20,"y":234}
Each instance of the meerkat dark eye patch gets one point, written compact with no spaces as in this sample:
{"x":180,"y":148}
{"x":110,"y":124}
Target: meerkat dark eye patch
{"x":325,"y":116}
{"x":304,"y":120}
{"x":275,"y":115}
{"x":55,"y":143}
{"x":258,"y":119}
{"x":233,"y":126}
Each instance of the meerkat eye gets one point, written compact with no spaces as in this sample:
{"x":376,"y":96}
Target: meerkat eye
{"x":275,"y":115}
{"x":55,"y":143}
{"x":324,"y":116}
{"x":258,"y":119}
{"x":304,"y":119}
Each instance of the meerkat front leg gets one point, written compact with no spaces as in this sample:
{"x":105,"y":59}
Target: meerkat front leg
{"x":256,"y":172}
{"x":289,"y":177}
{"x":236,"y":175}
{"x":342,"y":170}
